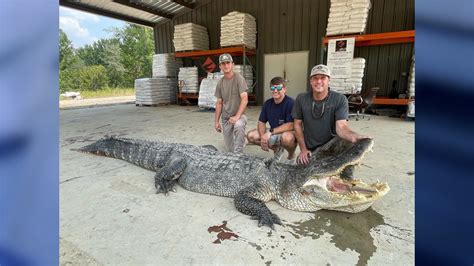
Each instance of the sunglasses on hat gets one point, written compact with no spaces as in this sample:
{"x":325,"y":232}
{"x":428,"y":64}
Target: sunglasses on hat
{"x":276,"y":87}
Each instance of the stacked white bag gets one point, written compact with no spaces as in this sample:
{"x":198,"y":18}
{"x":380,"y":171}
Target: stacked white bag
{"x":188,"y":78}
{"x":207,"y":89}
{"x":347,"y":16}
{"x":164,"y":65}
{"x":151,"y":91}
{"x":238,"y":29}
{"x":353,"y":84}
{"x":411,"y":79}
{"x":190,"y":36}
{"x":248,"y":76}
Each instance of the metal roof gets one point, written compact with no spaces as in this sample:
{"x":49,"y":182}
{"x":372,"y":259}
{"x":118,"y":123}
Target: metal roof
{"x":144,"y":12}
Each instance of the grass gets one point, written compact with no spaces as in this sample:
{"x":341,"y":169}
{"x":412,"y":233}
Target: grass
{"x":103,"y":93}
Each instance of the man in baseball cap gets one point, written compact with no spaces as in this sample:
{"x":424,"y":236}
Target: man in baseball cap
{"x":232,"y":99}
{"x":225,"y":58}
{"x":324,"y":114}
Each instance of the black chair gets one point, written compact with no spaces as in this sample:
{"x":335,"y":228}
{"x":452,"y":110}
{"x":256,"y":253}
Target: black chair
{"x":360,"y":102}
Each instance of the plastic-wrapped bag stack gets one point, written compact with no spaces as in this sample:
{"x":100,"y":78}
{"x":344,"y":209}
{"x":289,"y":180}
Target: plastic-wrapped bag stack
{"x":347,"y":16}
{"x":411,"y":109}
{"x":248,"y":74}
{"x":411,"y":89}
{"x":411,"y":79}
{"x":352,"y":84}
{"x":190,"y":36}
{"x":238,"y":29}
{"x":164,"y":65}
{"x":207,"y":89}
{"x":151,"y":91}
{"x":188,"y":79}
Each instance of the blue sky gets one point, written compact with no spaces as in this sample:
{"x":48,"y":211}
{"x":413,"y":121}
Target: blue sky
{"x":85,"y":28}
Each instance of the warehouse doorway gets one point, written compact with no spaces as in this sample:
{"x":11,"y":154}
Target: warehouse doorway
{"x":292,"y":66}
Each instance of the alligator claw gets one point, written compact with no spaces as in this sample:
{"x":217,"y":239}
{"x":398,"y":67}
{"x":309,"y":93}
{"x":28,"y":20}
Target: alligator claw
{"x":165,"y":186}
{"x":269,"y":220}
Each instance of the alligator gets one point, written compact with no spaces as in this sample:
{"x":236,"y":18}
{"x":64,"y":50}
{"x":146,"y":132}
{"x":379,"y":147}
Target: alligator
{"x":250,"y":180}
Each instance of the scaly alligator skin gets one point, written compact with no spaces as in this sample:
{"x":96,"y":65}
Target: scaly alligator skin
{"x":250,"y":180}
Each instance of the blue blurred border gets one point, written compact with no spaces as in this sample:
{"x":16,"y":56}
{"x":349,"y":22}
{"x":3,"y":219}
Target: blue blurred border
{"x":29,"y":133}
{"x":29,"y":225}
{"x":444,"y":48}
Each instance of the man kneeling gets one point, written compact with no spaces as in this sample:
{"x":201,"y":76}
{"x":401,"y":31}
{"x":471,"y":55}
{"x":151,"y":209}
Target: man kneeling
{"x":277,"y":112}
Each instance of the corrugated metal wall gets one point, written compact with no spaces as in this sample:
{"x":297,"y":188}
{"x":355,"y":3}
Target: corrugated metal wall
{"x":297,"y":25}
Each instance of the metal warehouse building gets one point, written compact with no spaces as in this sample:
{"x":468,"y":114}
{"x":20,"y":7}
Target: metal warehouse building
{"x":290,"y":35}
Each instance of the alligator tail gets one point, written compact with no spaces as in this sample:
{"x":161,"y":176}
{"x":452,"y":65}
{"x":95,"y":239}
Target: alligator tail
{"x":145,"y":154}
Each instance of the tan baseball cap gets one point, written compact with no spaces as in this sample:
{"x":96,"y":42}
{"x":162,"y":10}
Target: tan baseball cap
{"x":321,"y":70}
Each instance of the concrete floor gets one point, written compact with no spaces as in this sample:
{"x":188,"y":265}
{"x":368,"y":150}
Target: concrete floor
{"x":110,"y":213}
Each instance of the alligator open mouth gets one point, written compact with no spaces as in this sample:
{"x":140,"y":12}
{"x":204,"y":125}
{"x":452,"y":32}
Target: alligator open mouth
{"x":335,"y":193}
{"x":326,"y":189}
{"x":339,"y":186}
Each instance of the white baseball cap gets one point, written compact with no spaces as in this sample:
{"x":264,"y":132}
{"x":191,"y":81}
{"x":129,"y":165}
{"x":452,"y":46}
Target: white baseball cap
{"x":321,"y":70}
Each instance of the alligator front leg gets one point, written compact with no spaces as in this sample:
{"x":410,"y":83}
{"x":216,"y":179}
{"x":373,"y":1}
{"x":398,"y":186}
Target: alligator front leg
{"x":251,"y":201}
{"x":167,"y":177}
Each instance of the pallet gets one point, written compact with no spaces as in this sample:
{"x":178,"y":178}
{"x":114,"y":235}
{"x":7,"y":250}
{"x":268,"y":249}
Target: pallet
{"x":151,"y":105}
{"x":238,"y":45}
{"x":346,"y":35}
{"x":187,"y":51}
{"x":207,"y":109}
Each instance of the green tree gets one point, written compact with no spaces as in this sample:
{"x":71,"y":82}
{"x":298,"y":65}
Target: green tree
{"x":107,"y":53}
{"x":68,"y":62}
{"x":66,"y":51}
{"x":86,"y":78}
{"x":92,"y":78}
{"x":113,"y":64}
{"x":89,"y":55}
{"x":137,"y":47}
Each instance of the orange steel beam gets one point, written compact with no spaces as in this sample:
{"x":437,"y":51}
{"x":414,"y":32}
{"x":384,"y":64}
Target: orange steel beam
{"x":378,"y":38}
{"x":237,"y":50}
{"x":386,"y":101}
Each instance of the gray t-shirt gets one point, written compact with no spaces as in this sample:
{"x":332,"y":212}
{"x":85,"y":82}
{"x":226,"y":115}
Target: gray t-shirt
{"x":229,"y":90}
{"x":320,"y":127}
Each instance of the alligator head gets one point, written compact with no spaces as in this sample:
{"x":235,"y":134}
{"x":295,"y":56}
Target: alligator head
{"x":320,"y":186}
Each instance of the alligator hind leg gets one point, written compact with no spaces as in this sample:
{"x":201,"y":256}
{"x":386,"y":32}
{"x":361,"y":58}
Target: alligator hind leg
{"x":166,"y":178}
{"x":249,"y":201}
